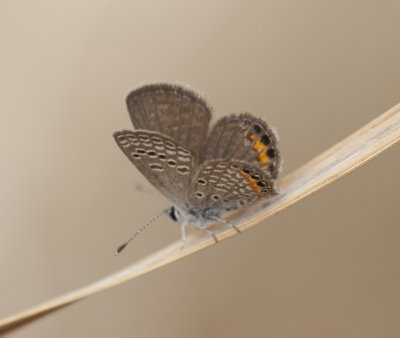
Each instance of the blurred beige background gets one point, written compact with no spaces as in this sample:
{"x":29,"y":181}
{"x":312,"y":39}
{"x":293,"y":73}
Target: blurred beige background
{"x":317,"y":70}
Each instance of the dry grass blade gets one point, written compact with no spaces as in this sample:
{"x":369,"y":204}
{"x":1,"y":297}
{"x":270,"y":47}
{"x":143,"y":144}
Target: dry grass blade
{"x":336,"y":162}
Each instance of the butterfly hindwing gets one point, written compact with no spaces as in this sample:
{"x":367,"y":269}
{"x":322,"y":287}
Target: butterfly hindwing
{"x":226,"y":185}
{"x":247,"y":138}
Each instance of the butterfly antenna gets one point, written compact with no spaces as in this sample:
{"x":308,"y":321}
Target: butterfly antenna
{"x":138,"y":232}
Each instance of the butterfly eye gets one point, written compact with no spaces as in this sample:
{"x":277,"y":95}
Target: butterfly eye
{"x":174,"y":214}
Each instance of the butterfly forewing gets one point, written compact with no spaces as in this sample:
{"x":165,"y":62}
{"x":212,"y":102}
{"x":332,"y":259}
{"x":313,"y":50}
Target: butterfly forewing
{"x":166,"y":165}
{"x":173,"y":111}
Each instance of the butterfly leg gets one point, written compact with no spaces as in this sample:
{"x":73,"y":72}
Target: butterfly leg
{"x":226,"y":222}
{"x":203,"y":227}
{"x":183,"y":231}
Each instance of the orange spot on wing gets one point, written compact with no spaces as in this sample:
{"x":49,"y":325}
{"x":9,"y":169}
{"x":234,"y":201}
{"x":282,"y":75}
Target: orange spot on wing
{"x":259,"y":146}
{"x":252,"y":137}
{"x":263,"y":158}
{"x":262,"y":149}
{"x":254,"y":185}
{"x":249,"y":179}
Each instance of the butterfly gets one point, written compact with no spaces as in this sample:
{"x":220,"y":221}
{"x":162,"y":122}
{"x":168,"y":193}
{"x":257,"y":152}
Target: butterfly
{"x":204,"y":171}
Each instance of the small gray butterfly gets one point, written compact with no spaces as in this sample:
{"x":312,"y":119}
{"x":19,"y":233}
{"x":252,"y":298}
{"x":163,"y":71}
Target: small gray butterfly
{"x":203,"y":171}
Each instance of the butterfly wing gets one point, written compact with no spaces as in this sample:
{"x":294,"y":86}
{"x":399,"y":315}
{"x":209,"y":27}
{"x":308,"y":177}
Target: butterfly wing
{"x":167,"y":165}
{"x":226,"y":185}
{"x":171,"y":110}
{"x":244,"y":137}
